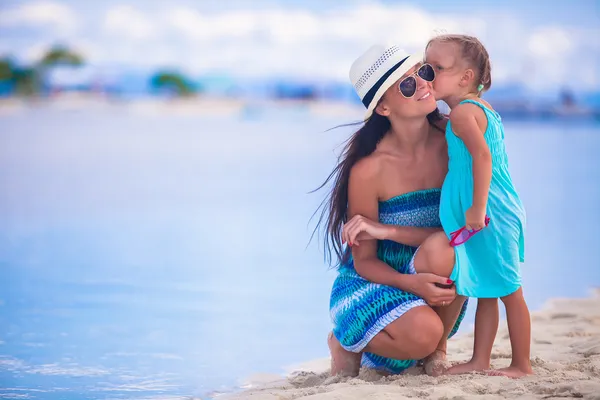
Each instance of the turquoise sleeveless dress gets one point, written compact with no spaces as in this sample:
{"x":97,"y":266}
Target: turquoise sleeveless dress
{"x":487,"y":265}
{"x":361,"y":309}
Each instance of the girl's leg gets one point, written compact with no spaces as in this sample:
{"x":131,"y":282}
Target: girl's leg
{"x":519,"y":329}
{"x":486,"y":327}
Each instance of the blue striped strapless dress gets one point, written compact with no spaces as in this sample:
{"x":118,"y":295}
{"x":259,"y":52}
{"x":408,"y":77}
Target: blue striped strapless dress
{"x":361,"y":309}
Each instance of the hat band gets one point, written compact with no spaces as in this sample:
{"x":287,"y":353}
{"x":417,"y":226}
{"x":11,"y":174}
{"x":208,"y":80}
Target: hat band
{"x":371,"y":93}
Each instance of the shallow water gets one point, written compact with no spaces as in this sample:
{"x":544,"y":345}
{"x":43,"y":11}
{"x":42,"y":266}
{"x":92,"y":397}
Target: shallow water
{"x":158,"y":256}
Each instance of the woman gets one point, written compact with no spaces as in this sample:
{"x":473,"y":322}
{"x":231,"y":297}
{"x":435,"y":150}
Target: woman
{"x":384,"y":204}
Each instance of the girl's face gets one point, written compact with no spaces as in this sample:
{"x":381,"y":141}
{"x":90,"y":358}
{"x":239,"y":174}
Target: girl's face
{"x":420,"y":104}
{"x":448,"y":68}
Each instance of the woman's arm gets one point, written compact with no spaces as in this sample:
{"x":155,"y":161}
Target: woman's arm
{"x":363,"y":199}
{"x":409,"y":235}
{"x":360,"y":228}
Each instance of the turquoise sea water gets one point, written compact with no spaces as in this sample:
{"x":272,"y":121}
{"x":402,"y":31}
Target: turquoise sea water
{"x":164,"y":256}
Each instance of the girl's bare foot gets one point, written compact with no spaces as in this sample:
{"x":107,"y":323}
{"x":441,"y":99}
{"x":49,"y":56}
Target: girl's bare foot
{"x":435,"y":364}
{"x":471,"y":366}
{"x":511,"y":372}
{"x":343,"y":362}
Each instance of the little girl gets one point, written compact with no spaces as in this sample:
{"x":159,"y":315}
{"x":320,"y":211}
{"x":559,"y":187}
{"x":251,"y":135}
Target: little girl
{"x":479,"y":185}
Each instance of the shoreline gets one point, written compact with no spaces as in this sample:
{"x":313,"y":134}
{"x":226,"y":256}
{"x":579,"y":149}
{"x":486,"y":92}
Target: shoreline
{"x":565,"y":352}
{"x":249,"y":108}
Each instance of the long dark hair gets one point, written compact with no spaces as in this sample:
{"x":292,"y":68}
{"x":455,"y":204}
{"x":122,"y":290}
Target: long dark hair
{"x":335,"y":206}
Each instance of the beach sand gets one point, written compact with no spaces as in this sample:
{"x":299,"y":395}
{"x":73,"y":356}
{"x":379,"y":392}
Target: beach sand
{"x":565,"y":357}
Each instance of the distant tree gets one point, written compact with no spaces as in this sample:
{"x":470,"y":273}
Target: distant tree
{"x":27,"y":81}
{"x":7,"y":68}
{"x":173,"y":82}
{"x":56,"y":56}
{"x":24,"y":80}
{"x":59,"y":55}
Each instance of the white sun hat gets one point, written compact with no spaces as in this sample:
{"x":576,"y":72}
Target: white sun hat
{"x":377,"y":69}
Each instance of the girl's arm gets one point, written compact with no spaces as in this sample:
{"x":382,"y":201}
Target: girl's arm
{"x":469,"y":123}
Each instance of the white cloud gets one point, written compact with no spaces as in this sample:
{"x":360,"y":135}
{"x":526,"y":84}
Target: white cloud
{"x":291,"y":27}
{"x":364,"y":24}
{"x":194,"y":25}
{"x":41,"y":14}
{"x":189,"y":22}
{"x":299,"y":42}
{"x":551,"y":51}
{"x":322,"y":44}
{"x":550,"y":43}
{"x":129,"y":22}
{"x":406,"y":25}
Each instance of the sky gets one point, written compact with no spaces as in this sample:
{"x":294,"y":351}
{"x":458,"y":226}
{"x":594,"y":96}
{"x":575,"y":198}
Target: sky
{"x":535,"y":43}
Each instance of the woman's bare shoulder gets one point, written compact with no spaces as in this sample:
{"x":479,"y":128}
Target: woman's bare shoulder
{"x":367,"y":168}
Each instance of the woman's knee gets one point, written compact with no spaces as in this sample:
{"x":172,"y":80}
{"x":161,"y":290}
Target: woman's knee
{"x":422,"y":330}
{"x":435,"y":255}
{"x":426,"y":335}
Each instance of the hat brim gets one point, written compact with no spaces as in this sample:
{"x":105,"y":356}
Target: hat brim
{"x":410,"y":62}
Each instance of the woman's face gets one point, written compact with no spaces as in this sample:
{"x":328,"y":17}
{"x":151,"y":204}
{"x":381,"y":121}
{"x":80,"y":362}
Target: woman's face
{"x":443,"y":57}
{"x":420,"y":104}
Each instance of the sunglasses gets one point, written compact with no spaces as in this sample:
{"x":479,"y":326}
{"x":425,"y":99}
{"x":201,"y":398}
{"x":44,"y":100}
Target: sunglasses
{"x":408,"y":85}
{"x":462,"y":235}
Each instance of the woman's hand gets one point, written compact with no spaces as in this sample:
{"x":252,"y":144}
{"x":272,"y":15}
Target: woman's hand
{"x":424,"y":286}
{"x":362,"y":228}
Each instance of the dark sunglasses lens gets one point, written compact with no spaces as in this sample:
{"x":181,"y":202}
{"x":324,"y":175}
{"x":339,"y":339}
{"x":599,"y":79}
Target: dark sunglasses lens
{"x":426,"y":72}
{"x":408,"y":86}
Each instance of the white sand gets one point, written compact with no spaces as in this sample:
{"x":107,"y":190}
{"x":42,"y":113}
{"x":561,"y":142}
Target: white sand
{"x":565,"y":356}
